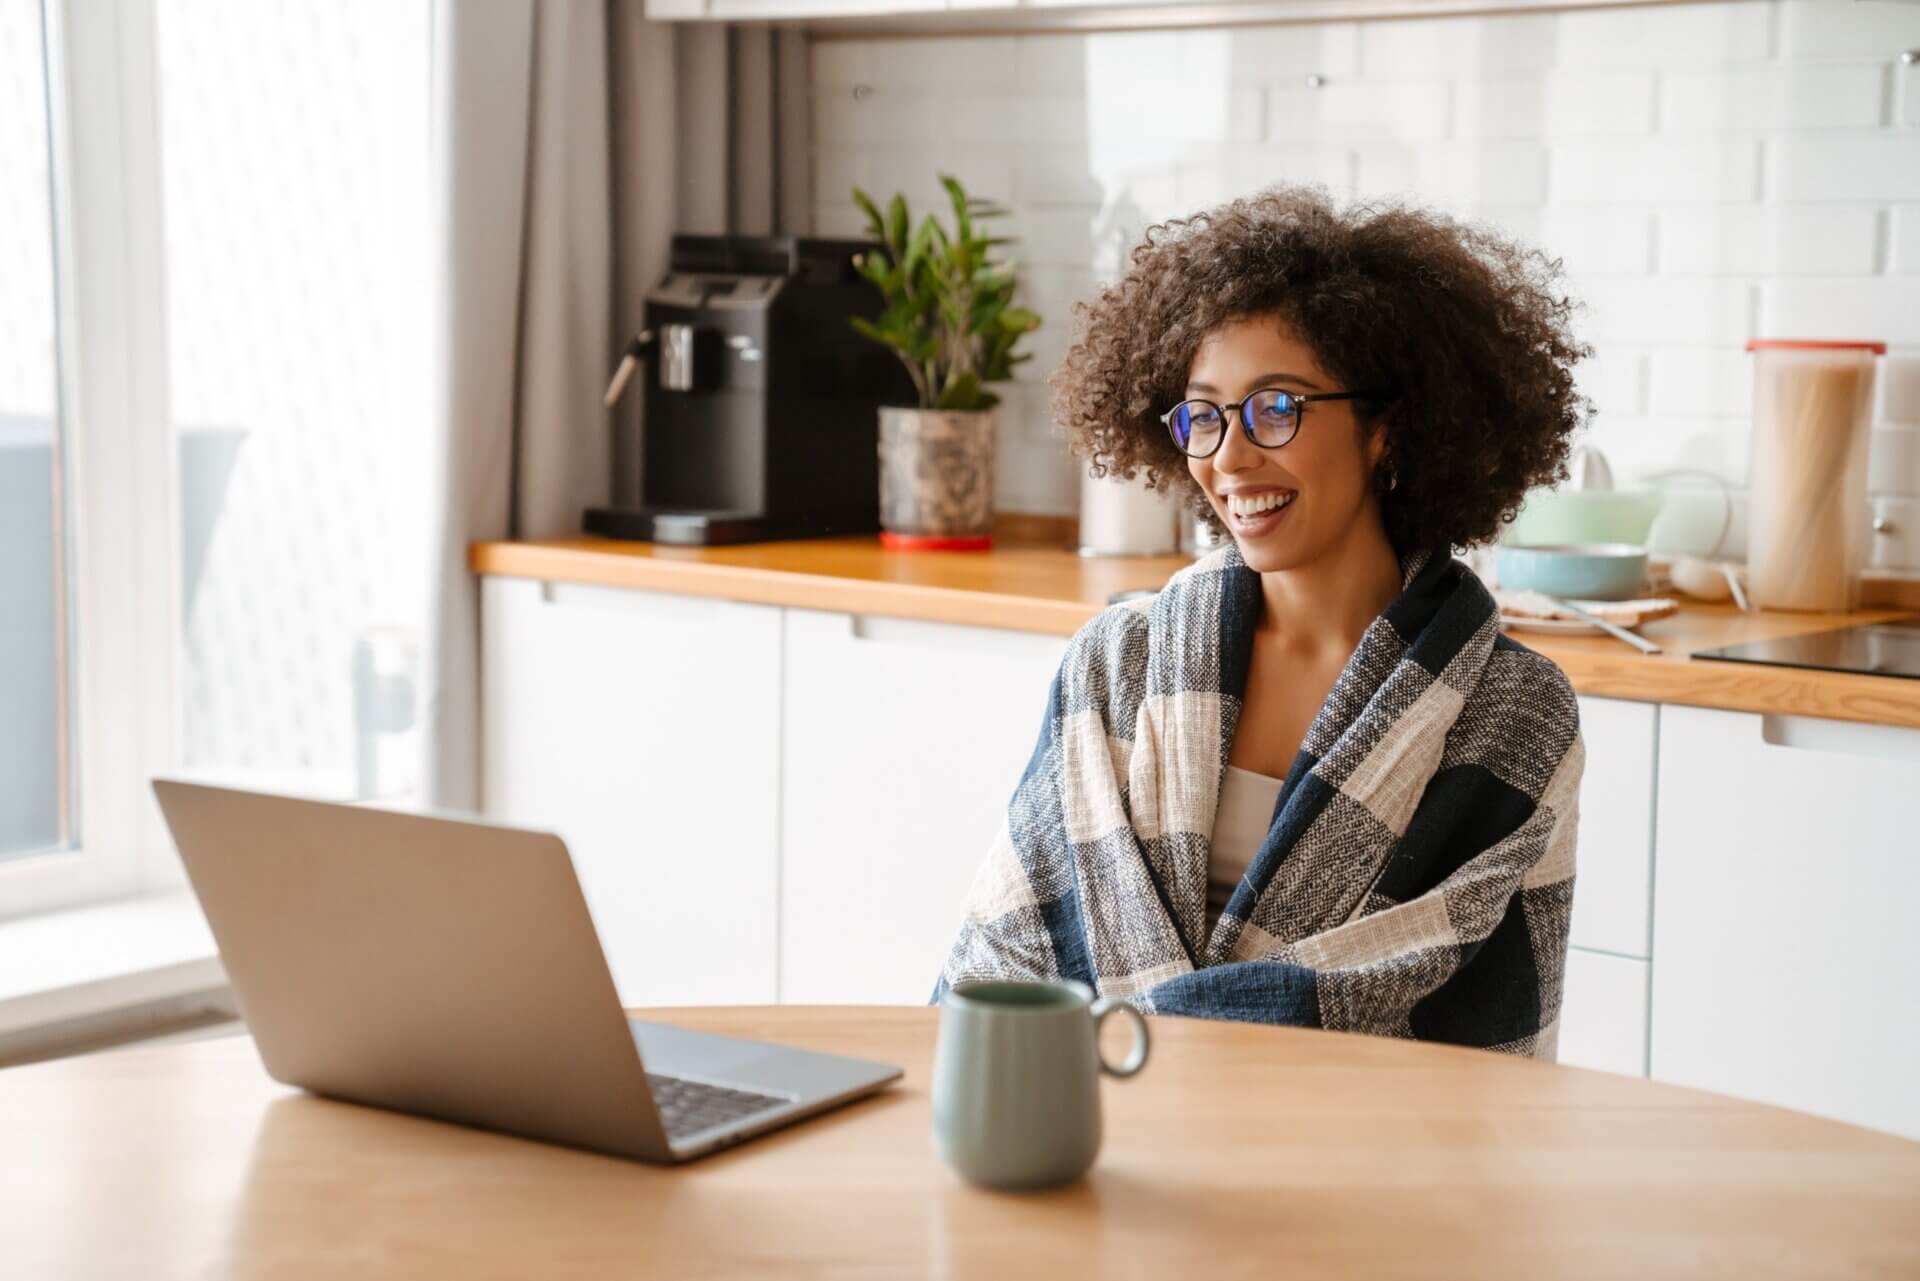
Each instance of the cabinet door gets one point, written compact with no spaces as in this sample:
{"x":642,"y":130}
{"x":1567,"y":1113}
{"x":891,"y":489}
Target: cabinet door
{"x":1786,"y":965}
{"x":1603,"y":1013}
{"x":903,"y":742}
{"x":643,"y":729}
{"x":1613,"y":885}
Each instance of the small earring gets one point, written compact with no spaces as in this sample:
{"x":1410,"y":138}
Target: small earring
{"x":1393,"y":479}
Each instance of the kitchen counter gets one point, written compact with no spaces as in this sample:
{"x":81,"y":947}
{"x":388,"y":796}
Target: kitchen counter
{"x":1031,"y":582}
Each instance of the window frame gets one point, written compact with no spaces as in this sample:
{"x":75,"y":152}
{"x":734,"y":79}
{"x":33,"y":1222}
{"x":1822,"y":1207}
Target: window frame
{"x":117,"y":538}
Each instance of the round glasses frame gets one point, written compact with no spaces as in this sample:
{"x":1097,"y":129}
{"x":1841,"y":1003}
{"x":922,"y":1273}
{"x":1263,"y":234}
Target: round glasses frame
{"x":1294,"y":404}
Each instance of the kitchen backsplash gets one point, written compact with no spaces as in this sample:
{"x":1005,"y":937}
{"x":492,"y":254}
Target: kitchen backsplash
{"x":1708,"y":172}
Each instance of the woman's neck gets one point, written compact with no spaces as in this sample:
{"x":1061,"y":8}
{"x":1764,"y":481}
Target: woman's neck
{"x":1325,"y":606}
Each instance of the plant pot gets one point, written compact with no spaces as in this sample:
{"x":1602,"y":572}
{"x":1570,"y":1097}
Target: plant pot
{"x":936,"y":478}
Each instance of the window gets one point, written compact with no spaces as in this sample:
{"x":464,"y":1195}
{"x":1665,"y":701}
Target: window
{"x":214,"y":376}
{"x":34,"y":761}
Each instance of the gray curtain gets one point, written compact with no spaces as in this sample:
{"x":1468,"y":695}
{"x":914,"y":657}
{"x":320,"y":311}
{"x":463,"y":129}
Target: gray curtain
{"x":562,"y":169}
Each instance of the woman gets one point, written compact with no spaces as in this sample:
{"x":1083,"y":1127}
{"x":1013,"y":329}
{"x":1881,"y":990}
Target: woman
{"x":1310,"y":782}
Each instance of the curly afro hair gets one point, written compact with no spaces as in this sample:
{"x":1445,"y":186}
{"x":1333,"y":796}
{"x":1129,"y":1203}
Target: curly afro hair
{"x":1458,"y":330}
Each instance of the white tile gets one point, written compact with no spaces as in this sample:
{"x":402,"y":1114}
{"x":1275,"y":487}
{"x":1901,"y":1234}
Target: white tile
{"x":1207,"y":176}
{"x":1613,"y":378}
{"x":1456,"y":175}
{"x":1488,"y":109}
{"x":1660,"y":310}
{"x":1903,"y":239}
{"x":1882,"y":308}
{"x":1880,"y":166}
{"x":1906,"y":94}
{"x":839,"y":64}
{"x":1599,"y":242}
{"x":840,"y":117}
{"x":1369,"y":111}
{"x":915,"y":172}
{"x":1643,"y":172}
{"x":1287,"y":55}
{"x":1458,"y":46}
{"x":835,"y":221}
{"x":1698,"y":382}
{"x":1564,"y":104}
{"x":1848,"y":28}
{"x":1169,"y":113}
{"x":971,"y":65}
{"x":1768,"y":240}
{"x":1893,"y":460}
{"x":1041,"y":121}
{"x":1054,"y":236}
{"x":1037,"y":478}
{"x":1772,"y":98}
{"x":1599,"y":103}
{"x":1639,"y":34}
{"x":1519,"y":223}
{"x":1898,"y":392}
{"x":1117,"y":59}
{"x":1055,"y":175}
{"x":1636,"y":446}
{"x":1050,"y":64}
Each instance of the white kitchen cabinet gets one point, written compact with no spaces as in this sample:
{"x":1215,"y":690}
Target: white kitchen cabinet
{"x":1603,"y":1013}
{"x":644,"y":729}
{"x":902,"y":744}
{"x":1613,"y":885}
{"x":1787,"y":968}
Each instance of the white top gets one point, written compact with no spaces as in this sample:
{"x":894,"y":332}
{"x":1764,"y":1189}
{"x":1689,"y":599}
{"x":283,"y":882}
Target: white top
{"x":1239,"y":826}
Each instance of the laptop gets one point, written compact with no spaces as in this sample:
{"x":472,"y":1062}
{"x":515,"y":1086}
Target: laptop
{"x":449,"y":968}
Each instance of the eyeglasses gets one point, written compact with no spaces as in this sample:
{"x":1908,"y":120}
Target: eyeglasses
{"x":1269,"y":416}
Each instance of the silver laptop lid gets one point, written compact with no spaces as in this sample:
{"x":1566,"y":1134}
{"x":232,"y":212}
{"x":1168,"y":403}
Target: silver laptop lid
{"x":427,"y":964}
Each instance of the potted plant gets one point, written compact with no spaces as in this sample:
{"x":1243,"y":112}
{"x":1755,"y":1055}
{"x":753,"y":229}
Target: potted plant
{"x":949,"y":317}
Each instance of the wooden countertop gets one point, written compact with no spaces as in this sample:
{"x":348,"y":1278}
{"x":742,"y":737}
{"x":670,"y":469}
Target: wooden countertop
{"x":1241,"y":1150}
{"x":1041,"y":586}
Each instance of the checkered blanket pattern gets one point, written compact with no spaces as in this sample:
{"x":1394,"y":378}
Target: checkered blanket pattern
{"x":1417,"y":877}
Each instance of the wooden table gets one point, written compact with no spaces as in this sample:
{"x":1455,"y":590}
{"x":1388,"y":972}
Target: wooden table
{"x":1239,"y":1151}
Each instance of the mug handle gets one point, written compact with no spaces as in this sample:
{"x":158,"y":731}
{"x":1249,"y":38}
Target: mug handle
{"x":1138,"y":1059}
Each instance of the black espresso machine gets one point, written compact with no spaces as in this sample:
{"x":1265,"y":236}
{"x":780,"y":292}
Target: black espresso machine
{"x":761,"y":401}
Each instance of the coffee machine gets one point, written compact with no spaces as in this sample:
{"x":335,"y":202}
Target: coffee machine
{"x":761,"y":408}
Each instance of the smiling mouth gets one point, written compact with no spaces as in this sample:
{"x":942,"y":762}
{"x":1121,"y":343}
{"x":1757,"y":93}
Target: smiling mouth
{"x":1256,"y":509}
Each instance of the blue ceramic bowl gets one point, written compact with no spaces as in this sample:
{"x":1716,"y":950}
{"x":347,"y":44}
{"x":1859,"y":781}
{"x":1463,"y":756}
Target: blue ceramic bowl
{"x":1587,"y":571}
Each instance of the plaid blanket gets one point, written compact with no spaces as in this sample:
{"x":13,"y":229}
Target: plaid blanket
{"x":1417,"y":877}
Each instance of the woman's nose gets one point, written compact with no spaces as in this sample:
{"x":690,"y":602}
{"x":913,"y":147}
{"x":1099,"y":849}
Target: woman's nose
{"x":1236,"y":452}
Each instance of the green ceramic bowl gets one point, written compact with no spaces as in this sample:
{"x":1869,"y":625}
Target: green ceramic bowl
{"x":1582,"y":516}
{"x":1586,"y":571}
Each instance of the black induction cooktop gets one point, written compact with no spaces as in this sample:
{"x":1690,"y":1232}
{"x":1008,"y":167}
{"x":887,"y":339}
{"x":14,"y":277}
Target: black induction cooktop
{"x":1891,"y":648}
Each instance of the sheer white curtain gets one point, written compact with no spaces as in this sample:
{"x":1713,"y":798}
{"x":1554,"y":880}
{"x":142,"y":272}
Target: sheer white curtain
{"x":524,"y":111}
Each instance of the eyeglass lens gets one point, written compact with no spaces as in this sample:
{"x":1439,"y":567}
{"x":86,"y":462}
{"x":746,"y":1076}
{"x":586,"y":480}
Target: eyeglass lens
{"x":1197,"y":424}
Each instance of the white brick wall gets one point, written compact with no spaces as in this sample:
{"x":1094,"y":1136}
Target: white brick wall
{"x":1706,"y":172}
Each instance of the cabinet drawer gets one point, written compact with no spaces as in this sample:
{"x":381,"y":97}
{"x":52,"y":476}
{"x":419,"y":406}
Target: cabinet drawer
{"x":1603,"y":1013}
{"x":1613,"y":889}
{"x":1786,"y":968}
{"x":903,"y":742}
{"x":643,"y":729}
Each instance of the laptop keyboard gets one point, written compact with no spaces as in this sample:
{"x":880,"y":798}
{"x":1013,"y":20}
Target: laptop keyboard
{"x":687,"y":1107}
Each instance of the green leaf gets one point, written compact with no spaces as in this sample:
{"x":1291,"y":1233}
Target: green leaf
{"x":897,"y":226}
{"x":1020,"y":320}
{"x":960,"y":391}
{"x":962,"y":225}
{"x":875,"y":227}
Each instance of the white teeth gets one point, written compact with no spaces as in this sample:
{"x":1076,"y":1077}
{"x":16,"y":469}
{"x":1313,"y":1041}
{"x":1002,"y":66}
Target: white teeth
{"x":1258,"y":503}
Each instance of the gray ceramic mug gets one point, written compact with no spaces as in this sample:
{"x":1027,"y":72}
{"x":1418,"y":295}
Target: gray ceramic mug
{"x":1016,"y":1079}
